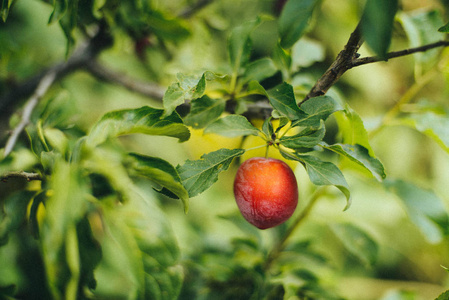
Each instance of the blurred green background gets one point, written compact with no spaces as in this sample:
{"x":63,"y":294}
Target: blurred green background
{"x":409,"y":265}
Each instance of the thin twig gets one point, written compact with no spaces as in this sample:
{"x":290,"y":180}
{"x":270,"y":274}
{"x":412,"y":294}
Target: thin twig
{"x":41,"y":89}
{"x":372,"y":59}
{"x":20,"y":174}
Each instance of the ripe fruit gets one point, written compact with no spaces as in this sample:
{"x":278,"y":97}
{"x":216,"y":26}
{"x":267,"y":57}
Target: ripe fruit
{"x":266,"y":191}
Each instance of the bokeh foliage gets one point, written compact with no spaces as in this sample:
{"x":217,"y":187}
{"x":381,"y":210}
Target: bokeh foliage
{"x":104,"y":222}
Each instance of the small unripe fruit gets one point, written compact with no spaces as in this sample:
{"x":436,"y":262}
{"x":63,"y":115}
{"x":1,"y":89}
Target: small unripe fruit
{"x":266,"y":191}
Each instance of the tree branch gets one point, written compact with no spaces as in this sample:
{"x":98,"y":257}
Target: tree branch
{"x":26,"y":175}
{"x":342,"y":63}
{"x":348,"y":59}
{"x":41,"y":89}
{"x":147,"y":89}
{"x":80,"y":57}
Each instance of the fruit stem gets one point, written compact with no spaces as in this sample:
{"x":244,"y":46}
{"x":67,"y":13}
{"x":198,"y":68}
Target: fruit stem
{"x":266,"y":151}
{"x":280,"y":245}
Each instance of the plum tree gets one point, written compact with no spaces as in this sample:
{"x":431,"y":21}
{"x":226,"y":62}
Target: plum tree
{"x":110,"y":110}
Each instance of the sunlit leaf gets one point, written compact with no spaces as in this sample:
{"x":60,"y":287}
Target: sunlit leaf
{"x":56,"y":139}
{"x":144,"y":120}
{"x":352,"y":129}
{"x":203,"y":111}
{"x":357,"y":242}
{"x":360,"y":155}
{"x":425,"y":209}
{"x":199,"y":175}
{"x":294,"y":20}
{"x":187,"y":88}
{"x":161,"y":172}
{"x":232,"y":126}
{"x":434,"y":125}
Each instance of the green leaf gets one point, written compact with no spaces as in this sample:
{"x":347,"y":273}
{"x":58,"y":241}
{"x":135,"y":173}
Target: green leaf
{"x":352,"y":129}
{"x":282,"y":122}
{"x":443,"y":296}
{"x":294,"y":20}
{"x":13,"y":211}
{"x":5,"y":5}
{"x":316,"y":109}
{"x":254,"y":87}
{"x":199,"y":175}
{"x":239,"y":44}
{"x":361,"y":156}
{"x":267,"y":128}
{"x":305,"y":53}
{"x":187,"y":88}
{"x":59,"y":9}
{"x":259,"y":70}
{"x":323,"y":173}
{"x":64,"y":208}
{"x":377,"y":24}
{"x":282,"y":60}
{"x":144,"y":120}
{"x":425,"y":208}
{"x":166,"y":27}
{"x":232,"y":126}
{"x":282,"y":98}
{"x":307,"y":138}
{"x":140,"y":249}
{"x":203,"y":111}
{"x":420,"y":29}
{"x":357,"y":242}
{"x":444,"y":28}
{"x":160,"y":172}
{"x":434,"y":125}
{"x":68,"y":23}
{"x":56,"y":138}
